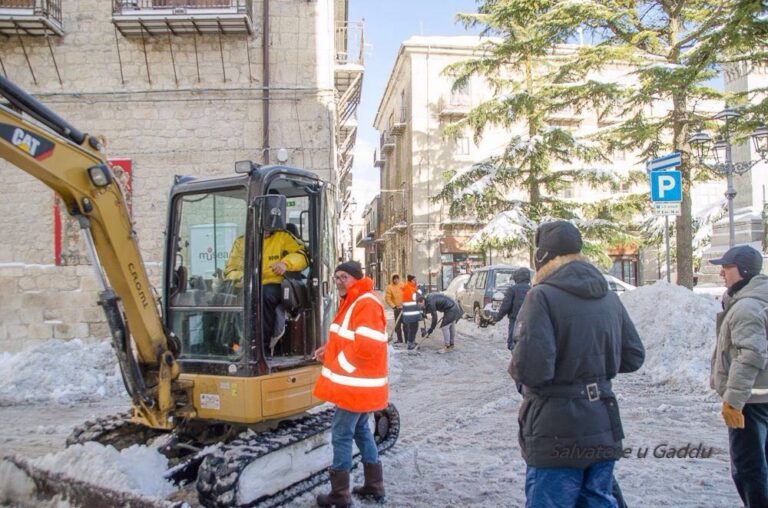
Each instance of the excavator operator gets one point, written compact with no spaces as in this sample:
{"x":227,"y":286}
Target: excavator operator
{"x":281,"y":252}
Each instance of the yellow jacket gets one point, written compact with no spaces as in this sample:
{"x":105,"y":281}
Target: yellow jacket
{"x":393,"y":295}
{"x":279,"y":246}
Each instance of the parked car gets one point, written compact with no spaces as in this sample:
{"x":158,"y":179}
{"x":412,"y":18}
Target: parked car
{"x":617,"y":285}
{"x":490,"y":311}
{"x":479,"y":289}
{"x":456,"y":286}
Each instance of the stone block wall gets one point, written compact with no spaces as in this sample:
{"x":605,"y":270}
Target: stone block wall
{"x":152,"y":108}
{"x":42,"y":302}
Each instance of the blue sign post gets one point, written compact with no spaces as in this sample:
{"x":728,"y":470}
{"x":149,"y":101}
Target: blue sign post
{"x":666,"y":191}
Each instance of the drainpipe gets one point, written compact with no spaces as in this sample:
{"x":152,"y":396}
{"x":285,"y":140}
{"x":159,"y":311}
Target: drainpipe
{"x":265,"y":79}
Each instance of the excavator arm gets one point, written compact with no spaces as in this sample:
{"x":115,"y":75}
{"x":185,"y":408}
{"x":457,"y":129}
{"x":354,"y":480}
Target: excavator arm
{"x":36,"y":140}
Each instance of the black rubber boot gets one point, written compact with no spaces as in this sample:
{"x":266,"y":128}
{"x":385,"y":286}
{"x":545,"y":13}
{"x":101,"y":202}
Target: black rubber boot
{"x":339,"y":496}
{"x":373,"y":488}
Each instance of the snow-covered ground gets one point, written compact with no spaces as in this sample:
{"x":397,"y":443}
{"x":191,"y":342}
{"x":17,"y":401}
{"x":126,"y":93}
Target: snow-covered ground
{"x":458,"y":441}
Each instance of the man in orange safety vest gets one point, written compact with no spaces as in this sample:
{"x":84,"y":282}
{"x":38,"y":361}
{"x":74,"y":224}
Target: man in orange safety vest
{"x":354,"y":378}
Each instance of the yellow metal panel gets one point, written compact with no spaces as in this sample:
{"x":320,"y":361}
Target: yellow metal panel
{"x":288,"y":393}
{"x":253,"y":399}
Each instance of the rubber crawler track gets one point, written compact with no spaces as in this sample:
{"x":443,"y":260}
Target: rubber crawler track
{"x":217,"y":479}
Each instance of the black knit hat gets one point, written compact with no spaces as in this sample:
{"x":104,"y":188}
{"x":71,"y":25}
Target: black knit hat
{"x":746,"y":258}
{"x":351,"y":267}
{"x":556,"y":238}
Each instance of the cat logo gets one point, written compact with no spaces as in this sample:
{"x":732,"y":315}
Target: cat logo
{"x":34,"y":146}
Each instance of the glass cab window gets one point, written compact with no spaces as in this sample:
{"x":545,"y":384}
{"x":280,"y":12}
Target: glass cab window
{"x":205,"y":307}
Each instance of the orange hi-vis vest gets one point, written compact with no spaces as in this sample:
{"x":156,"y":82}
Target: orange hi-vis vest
{"x":354,"y":373}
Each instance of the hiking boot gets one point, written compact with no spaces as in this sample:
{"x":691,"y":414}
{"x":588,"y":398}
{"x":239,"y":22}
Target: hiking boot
{"x":373,"y":488}
{"x":339,"y":496}
{"x":411,"y":346}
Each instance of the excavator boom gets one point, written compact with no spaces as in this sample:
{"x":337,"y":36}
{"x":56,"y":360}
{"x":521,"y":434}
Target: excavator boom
{"x":71,"y":163}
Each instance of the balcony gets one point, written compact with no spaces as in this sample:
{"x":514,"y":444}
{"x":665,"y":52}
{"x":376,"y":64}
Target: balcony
{"x":31,"y":17}
{"x":364,"y":241}
{"x":456,"y":106}
{"x":387,"y":142}
{"x":401,"y":122}
{"x":378,"y":159}
{"x":158,"y":17}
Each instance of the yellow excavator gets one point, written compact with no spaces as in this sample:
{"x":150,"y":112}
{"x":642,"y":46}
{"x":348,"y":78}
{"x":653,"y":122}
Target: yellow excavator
{"x":235,"y":406}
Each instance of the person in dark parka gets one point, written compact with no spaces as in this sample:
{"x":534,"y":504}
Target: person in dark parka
{"x":513,"y":301}
{"x":573,"y":336}
{"x":434,"y":302}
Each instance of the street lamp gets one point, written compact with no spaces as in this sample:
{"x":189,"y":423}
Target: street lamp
{"x":701,"y":142}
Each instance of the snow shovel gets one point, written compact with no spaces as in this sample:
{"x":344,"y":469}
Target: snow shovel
{"x":424,"y":335}
{"x":394,"y":330}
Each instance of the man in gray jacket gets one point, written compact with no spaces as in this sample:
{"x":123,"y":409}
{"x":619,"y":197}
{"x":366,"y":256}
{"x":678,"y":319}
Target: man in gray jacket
{"x":739,"y":373}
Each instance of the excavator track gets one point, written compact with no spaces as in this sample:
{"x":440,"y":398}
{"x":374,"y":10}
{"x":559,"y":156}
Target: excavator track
{"x":220,"y":474}
{"x":116,"y":430}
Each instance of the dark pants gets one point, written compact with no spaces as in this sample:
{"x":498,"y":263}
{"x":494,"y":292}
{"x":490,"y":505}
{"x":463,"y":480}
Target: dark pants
{"x":511,"y":334}
{"x":398,"y":324}
{"x":749,"y":466}
{"x":272,"y":298}
{"x":410,"y":331}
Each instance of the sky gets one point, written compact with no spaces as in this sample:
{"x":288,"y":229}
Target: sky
{"x":387,"y":25}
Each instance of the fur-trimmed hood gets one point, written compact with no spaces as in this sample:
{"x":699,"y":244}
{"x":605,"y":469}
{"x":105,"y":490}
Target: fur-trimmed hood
{"x":575,"y":274}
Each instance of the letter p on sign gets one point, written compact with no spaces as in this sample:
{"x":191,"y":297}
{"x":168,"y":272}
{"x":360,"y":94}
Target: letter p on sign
{"x":666,"y":186}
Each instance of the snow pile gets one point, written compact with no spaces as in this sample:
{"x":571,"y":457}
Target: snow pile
{"x":64,"y":372}
{"x":136,"y":469}
{"x":678,"y":331}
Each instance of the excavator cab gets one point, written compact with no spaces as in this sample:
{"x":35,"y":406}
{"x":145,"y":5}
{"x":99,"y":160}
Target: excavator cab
{"x":214,"y":297}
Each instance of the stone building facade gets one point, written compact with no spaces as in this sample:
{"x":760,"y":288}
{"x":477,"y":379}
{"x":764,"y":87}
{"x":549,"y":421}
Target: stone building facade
{"x":176,"y":87}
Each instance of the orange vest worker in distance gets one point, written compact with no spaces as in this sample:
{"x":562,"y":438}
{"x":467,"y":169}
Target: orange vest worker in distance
{"x":409,"y":290}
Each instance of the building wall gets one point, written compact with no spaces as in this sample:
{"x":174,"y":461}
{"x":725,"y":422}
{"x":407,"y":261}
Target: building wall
{"x":167,"y":123}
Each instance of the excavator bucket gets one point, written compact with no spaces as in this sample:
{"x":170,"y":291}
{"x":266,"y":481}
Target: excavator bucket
{"x":26,"y":485}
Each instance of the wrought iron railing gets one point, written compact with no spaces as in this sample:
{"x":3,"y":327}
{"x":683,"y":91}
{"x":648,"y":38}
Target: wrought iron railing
{"x":125,"y":6}
{"x":48,"y":8}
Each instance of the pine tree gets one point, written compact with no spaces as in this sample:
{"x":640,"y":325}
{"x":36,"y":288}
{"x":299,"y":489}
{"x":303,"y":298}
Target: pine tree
{"x":686,"y":43}
{"x":520,"y":186}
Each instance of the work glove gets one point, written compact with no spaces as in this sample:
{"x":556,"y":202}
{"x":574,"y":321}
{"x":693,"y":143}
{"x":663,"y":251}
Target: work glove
{"x":734,"y":419}
{"x":423,"y":332}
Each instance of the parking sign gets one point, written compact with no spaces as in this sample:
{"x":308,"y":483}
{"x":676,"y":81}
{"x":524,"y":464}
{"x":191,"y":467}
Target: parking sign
{"x":666,"y":186}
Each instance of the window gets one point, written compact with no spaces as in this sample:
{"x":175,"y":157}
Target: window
{"x":503,"y":278}
{"x":461,"y":145}
{"x":205,"y":311}
{"x":567,"y":189}
{"x":480,"y":283}
{"x":460,"y":96}
{"x":625,"y":269}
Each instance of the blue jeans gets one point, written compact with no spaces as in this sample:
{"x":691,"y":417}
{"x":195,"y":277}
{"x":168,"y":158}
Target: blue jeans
{"x":567,"y":487}
{"x":347,"y":427}
{"x":749,"y":449}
